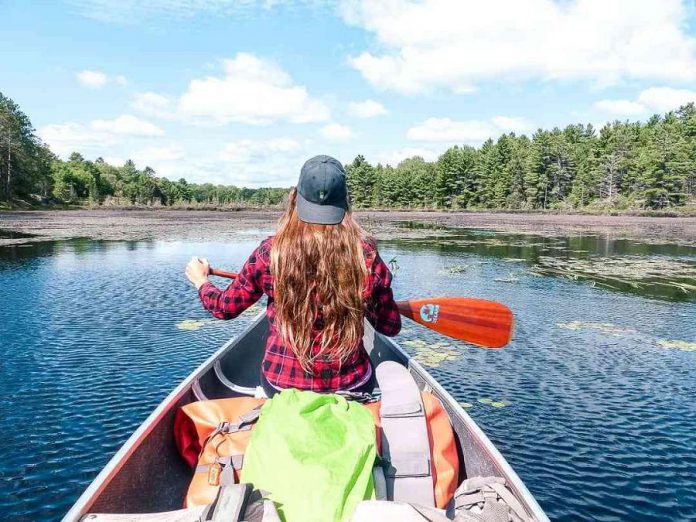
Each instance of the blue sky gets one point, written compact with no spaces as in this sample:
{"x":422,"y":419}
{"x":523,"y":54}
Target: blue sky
{"x":244,"y":91}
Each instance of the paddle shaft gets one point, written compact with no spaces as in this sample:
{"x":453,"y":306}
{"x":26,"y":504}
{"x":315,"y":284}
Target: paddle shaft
{"x":477,"y":321}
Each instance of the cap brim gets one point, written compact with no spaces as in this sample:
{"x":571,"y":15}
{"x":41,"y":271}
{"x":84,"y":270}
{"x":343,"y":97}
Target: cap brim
{"x":319,"y":214}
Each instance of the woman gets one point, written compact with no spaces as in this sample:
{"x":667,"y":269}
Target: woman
{"x":322,"y":276}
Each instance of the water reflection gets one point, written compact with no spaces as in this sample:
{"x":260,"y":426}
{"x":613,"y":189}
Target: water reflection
{"x":12,"y":255}
{"x":11,"y":234}
{"x":666,"y":271}
{"x":93,"y":334}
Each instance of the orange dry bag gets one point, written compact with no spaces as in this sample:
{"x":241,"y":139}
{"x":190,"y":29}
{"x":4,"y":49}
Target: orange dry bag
{"x":213,"y":436}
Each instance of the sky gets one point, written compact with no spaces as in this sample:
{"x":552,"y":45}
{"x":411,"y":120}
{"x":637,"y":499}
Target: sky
{"x":244,"y":91}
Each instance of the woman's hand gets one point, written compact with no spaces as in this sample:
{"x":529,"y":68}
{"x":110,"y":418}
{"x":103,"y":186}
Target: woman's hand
{"x":197,"y":271}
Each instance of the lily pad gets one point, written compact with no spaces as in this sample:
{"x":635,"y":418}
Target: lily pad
{"x":679,"y":345}
{"x":602,"y":327}
{"x":486,"y":400}
{"x":500,"y":404}
{"x":466,"y":405}
{"x":457,"y":269}
{"x":432,"y":354}
{"x":190,"y":324}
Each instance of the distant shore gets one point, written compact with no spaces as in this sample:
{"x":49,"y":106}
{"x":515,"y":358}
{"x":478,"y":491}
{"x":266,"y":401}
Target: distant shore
{"x":210,"y":225}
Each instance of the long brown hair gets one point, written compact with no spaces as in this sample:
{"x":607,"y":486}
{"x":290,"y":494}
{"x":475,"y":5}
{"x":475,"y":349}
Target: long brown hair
{"x":318,"y":268}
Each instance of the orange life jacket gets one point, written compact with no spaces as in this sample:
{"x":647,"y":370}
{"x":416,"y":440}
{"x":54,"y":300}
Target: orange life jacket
{"x":207,"y":437}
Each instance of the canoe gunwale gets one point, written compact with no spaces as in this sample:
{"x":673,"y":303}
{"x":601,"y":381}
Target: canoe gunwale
{"x":513,"y":479}
{"x":192,"y":385}
{"x":101,"y":481}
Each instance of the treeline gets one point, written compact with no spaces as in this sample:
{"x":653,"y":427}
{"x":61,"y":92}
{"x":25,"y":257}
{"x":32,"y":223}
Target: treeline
{"x":625,"y":165}
{"x":98,"y":182}
{"x":28,"y":169}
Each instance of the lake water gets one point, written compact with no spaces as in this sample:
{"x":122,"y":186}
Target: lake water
{"x":593,"y":403}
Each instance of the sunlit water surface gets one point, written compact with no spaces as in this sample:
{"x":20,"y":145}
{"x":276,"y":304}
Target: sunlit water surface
{"x":593,"y":403}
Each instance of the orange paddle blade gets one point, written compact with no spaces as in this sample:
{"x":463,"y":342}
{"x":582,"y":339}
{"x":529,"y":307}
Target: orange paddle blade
{"x":476,"y":321}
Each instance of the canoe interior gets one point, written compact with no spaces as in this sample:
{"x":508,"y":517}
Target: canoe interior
{"x":147,"y":475}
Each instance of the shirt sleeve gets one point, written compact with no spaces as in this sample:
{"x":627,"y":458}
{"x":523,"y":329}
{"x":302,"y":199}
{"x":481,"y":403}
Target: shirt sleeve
{"x":243,"y":292}
{"x":381,"y":310}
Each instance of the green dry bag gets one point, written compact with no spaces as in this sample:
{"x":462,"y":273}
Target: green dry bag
{"x":314,"y":454}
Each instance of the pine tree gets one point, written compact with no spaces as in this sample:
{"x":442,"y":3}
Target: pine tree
{"x":361,"y":181}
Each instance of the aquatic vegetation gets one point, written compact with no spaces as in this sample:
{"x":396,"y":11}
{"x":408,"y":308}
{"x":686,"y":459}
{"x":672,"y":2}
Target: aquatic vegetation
{"x":457,"y":269}
{"x":432,"y":355}
{"x":494,"y":404}
{"x":197,"y":324}
{"x":617,"y":331}
{"x":466,"y":405}
{"x":510,"y":279}
{"x":393,"y":265}
{"x":679,"y":345}
{"x":649,"y":275}
{"x":602,"y":327}
{"x":190,"y":324}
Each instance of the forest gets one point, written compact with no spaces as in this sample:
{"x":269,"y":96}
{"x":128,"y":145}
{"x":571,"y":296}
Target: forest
{"x":623,"y":166}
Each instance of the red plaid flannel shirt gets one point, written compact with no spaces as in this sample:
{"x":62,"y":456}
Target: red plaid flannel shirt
{"x":280,"y":366}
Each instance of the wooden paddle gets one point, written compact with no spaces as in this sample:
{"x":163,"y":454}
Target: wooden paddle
{"x":477,"y":321}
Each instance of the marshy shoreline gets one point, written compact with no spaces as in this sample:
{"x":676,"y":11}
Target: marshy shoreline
{"x":205,"y":225}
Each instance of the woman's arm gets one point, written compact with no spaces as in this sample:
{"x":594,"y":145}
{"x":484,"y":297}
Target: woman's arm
{"x":381,"y":309}
{"x":243,"y":292}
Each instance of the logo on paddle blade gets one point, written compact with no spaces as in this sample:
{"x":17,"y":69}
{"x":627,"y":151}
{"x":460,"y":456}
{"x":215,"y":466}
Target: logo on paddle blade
{"x":428,"y":312}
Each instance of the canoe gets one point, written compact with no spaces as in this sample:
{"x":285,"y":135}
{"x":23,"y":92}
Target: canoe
{"x":147,"y":475}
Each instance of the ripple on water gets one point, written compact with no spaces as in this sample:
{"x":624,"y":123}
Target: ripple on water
{"x":598,"y":420}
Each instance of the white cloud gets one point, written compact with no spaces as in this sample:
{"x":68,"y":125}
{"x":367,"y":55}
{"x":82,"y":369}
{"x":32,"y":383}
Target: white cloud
{"x":366,"y":109}
{"x":663,"y":99}
{"x":157,"y":154}
{"x":129,"y":125}
{"x":168,"y":160}
{"x":468,"y":131}
{"x":98,"y":79}
{"x":252,"y":90}
{"x":275,"y":161}
{"x":66,"y":138}
{"x":117,"y":161}
{"x":336,"y":132}
{"x":153,"y":104}
{"x":395,"y":157}
{"x":96,"y":138}
{"x":243,"y":151}
{"x":655,"y":99}
{"x":456,"y":45}
{"x":510,"y":124}
{"x":92,"y":79}
{"x":620,"y":107}
{"x":131,"y":13}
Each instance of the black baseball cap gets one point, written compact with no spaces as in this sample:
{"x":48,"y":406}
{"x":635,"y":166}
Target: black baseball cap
{"x":322,"y":195}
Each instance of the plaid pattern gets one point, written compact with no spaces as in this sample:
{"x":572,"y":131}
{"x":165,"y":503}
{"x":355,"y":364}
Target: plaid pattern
{"x":280,"y":366}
